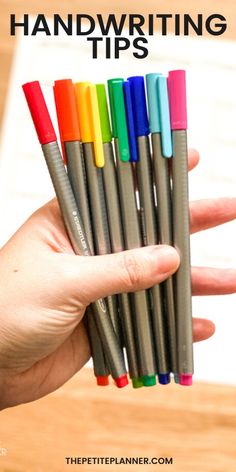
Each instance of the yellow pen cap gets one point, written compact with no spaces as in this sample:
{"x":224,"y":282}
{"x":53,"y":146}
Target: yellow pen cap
{"x":93,"y":112}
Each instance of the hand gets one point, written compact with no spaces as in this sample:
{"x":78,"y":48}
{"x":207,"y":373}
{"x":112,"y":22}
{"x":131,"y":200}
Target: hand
{"x":45,"y":289}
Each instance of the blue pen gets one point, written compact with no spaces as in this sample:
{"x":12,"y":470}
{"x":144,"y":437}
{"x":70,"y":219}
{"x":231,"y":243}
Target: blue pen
{"x":130,"y":122}
{"x":148,"y":216}
{"x":159,"y":119}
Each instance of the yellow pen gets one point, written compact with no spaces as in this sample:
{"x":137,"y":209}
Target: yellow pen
{"x":91,"y":135}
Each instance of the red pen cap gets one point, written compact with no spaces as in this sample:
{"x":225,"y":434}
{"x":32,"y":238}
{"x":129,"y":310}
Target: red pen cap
{"x":177,"y":99}
{"x":67,"y":116}
{"x":39,"y":112}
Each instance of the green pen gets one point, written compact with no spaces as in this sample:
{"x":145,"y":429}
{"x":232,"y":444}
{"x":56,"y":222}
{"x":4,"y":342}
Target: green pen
{"x":116,"y":233}
{"x":131,"y":228}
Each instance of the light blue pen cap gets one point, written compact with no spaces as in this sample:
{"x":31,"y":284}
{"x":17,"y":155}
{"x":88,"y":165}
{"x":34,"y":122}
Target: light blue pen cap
{"x":164,"y":113}
{"x":153,"y":111}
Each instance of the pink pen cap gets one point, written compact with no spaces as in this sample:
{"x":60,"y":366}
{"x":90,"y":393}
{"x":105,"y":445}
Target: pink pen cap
{"x":39,"y":112}
{"x":177,"y":99}
{"x":186,"y":379}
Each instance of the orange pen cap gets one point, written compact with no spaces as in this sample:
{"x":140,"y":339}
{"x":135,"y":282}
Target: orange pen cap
{"x":89,"y":120}
{"x":67,"y":115}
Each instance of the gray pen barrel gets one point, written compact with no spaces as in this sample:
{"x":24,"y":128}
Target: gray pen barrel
{"x":117,"y":245}
{"x":78,"y":240}
{"x":99,"y":361}
{"x":163,"y":192}
{"x":101,"y":234}
{"x":182,"y":243}
{"x":77,"y":177}
{"x":149,"y":222}
{"x":132,"y":237}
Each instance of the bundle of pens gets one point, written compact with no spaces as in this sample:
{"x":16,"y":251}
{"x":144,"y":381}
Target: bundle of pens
{"x":125,"y":197}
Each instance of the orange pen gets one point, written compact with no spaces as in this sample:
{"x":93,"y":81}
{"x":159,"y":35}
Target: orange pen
{"x":68,"y":124}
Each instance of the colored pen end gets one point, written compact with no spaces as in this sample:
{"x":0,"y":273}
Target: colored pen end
{"x":186,"y":379}
{"x":130,"y":122}
{"x":121,"y":381}
{"x":65,"y":101}
{"x":93,"y":111}
{"x":176,"y":378}
{"x":138,"y":99}
{"x":39,"y":112}
{"x":149,"y":380}
{"x":137,"y":382}
{"x":152,"y":96}
{"x":102,"y":381}
{"x":177,"y":99}
{"x":164,"y":379}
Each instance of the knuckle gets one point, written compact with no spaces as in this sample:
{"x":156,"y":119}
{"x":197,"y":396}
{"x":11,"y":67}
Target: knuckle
{"x":133,"y":270}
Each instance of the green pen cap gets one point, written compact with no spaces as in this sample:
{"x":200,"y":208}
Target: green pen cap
{"x":103,"y":113}
{"x":149,"y":380}
{"x":137,"y":382}
{"x":118,"y":117}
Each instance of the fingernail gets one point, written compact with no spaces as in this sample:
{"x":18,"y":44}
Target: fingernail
{"x":167,"y":259}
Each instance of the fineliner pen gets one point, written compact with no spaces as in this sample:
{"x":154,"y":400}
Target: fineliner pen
{"x":99,"y":361}
{"x":116,"y":233}
{"x":136,"y":107}
{"x":180,"y":204}
{"x":131,"y":228}
{"x":89,"y":120}
{"x":64,"y":94}
{"x":162,"y":150}
{"x":72,"y":219}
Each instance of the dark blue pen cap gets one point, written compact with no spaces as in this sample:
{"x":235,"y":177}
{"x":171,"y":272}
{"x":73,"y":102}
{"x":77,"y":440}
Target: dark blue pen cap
{"x":139,"y":106}
{"x":130,"y":122}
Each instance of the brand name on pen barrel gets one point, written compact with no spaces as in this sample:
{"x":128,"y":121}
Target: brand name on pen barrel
{"x":81,"y":233}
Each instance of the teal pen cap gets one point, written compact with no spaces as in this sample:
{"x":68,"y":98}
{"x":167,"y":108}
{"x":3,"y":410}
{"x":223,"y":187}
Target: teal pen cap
{"x":152,"y":98}
{"x":164,"y":113}
{"x":118,"y":117}
{"x":112,"y":105}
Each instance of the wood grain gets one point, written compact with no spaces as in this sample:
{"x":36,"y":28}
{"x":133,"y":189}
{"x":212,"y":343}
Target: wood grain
{"x":196,"y":426}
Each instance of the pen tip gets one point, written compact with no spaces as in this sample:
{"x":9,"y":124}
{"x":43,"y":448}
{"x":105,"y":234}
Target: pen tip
{"x":186,"y":379}
{"x":102,"y":381}
{"x":149,"y":380}
{"x":137,"y":382}
{"x":121,"y":381}
{"x":164,"y":379}
{"x":176,"y":378}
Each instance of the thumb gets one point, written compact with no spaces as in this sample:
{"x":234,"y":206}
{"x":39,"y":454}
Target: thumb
{"x":90,"y":278}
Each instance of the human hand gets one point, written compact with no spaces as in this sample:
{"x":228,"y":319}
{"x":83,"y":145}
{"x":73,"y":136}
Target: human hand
{"x":46,"y":288}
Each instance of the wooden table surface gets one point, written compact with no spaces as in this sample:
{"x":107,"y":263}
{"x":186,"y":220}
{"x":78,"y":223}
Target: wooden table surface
{"x":196,"y":426}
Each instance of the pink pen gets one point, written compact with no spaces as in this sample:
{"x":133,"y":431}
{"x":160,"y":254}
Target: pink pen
{"x":180,"y":207}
